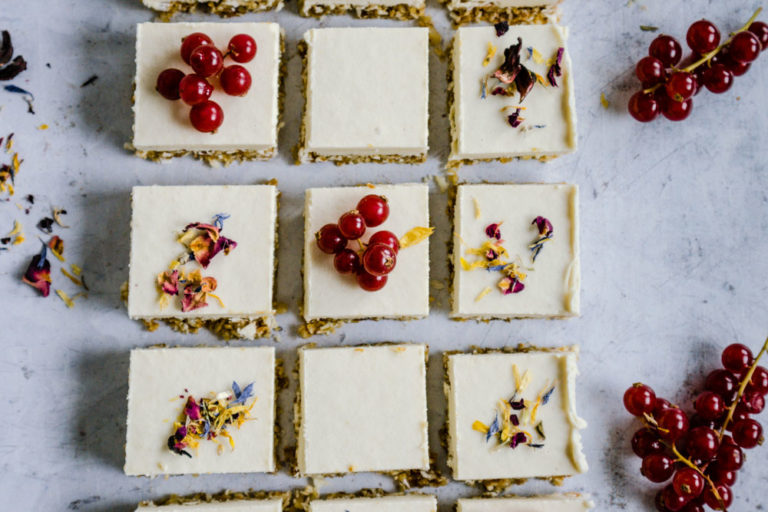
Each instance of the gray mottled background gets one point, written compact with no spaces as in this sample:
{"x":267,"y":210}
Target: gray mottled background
{"x":674,"y":225}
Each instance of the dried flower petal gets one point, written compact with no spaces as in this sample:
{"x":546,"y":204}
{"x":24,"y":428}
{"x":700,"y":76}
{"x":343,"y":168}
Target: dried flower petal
{"x":514,"y":119}
{"x":493,"y":231}
{"x":196,"y":292}
{"x":555,"y":70}
{"x":415,"y":236}
{"x":501,"y":28}
{"x":168,"y":282}
{"x":38,"y":274}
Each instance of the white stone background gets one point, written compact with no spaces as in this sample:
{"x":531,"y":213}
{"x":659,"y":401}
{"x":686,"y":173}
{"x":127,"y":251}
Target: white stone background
{"x":674,"y":237}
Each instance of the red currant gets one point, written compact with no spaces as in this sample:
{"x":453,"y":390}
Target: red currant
{"x":702,"y":443}
{"x":760,"y":29}
{"x":709,"y":405}
{"x":644,"y":107}
{"x":737,"y":68}
{"x":693,"y":506}
{"x":748,"y":433}
{"x":666,"y":49}
{"x":206,"y":60}
{"x":192,"y":41}
{"x":699,"y":421}
{"x":661,"y":405}
{"x":739,"y":413}
{"x":672,"y":501}
{"x":194,"y":89}
{"x":386,"y":238}
{"x":650,"y":71}
{"x":330,"y":240}
{"x":206,"y":116}
{"x":726,"y":497}
{"x":352,"y":225}
{"x":235,"y":80}
{"x":720,"y":475}
{"x":729,"y":455}
{"x":379,"y":259}
{"x":723,"y":383}
{"x":346,"y":262}
{"x":718,"y":78}
{"x":639,"y":399}
{"x":242,"y":48}
{"x":374,"y":210}
{"x":737,"y":358}
{"x":673,"y":423}
{"x":744,"y":47}
{"x":658,"y":467}
{"x":168,"y":83}
{"x":681,"y":86}
{"x":759,"y":381}
{"x":371,"y":283}
{"x":688,"y":483}
{"x":646,"y":442}
{"x":753,"y":401}
{"x":703,"y":37}
{"x":676,"y":110}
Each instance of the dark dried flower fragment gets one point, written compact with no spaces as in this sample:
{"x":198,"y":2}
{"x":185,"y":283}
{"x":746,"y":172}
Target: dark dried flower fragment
{"x":556,"y":70}
{"x":90,"y":81}
{"x":514,"y":118}
{"x":501,"y":28}
{"x":6,"y":48}
{"x":493,"y":231}
{"x":38,"y":274}
{"x":45,"y":225}
{"x":12,"y":70}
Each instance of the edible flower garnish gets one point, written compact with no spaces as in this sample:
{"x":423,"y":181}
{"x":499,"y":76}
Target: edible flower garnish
{"x":204,"y":241}
{"x":545,"y":234}
{"x":56,"y":245}
{"x":514,"y":118}
{"x":555,"y":70}
{"x":520,"y":427}
{"x":38,"y":274}
{"x":209,"y":418}
{"x":501,"y":28}
{"x":415,"y":236}
{"x":197,"y":289}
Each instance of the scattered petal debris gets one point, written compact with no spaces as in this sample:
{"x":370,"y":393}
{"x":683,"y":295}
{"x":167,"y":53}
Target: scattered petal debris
{"x":38,"y":273}
{"x":501,"y":28}
{"x":90,"y":81}
{"x":45,"y":225}
{"x":415,"y":236}
{"x":604,"y":100}
{"x":648,"y":28}
{"x":57,"y":213}
{"x":28,"y":96}
{"x":546,"y":232}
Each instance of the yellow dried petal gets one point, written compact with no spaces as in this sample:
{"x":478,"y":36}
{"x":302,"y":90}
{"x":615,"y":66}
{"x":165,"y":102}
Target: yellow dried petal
{"x":76,"y":269}
{"x":16,"y":228}
{"x":604,"y":100}
{"x":63,"y":296}
{"x":71,"y":277}
{"x":19,"y":239}
{"x":43,"y":127}
{"x":489,"y":54}
{"x":480,"y":427}
{"x":16,"y":162}
{"x":483,"y":293}
{"x":415,"y":236}
{"x":477,"y":207}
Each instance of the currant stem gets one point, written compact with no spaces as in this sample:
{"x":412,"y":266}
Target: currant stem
{"x":708,"y":56}
{"x":693,"y":466}
{"x":744,"y":383}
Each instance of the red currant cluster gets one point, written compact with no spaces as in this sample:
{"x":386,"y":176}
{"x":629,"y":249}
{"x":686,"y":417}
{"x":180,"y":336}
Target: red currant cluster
{"x":207,"y":61}
{"x":696,"y":452}
{"x":375,"y":259}
{"x":669,"y":90}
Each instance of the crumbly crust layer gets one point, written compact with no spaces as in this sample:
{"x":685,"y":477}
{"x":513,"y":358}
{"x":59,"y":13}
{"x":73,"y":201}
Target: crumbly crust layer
{"x":512,"y":15}
{"x":401,"y":12}
{"x":492,"y":487}
{"x":223,"y":10}
{"x":220,"y":497}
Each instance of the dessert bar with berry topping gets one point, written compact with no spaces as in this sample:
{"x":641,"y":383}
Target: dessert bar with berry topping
{"x":201,"y":410}
{"x":220,"y":7}
{"x":384,"y":503}
{"x":337,"y":282}
{"x":512,"y":415}
{"x":570,"y":502}
{"x":362,"y":408}
{"x":510,"y":94}
{"x":395,"y":9}
{"x":515,"y":251}
{"x":351,"y":113}
{"x":204,"y":256}
{"x":211,"y":90}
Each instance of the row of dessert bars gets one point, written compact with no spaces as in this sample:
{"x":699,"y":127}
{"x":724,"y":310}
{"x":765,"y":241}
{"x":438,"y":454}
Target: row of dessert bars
{"x":511,"y":413}
{"x":201,"y":90}
{"x":368,"y":501}
{"x":205,"y":256}
{"x":461,"y":11}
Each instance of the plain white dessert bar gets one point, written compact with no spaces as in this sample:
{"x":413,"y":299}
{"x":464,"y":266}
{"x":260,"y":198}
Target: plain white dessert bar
{"x":204,"y":256}
{"x":352,"y":112}
{"x":513,"y":415}
{"x":512,"y":95}
{"x":407,"y":503}
{"x":201,"y":410}
{"x":551,"y":503}
{"x":362,"y":409}
{"x":516,"y":251}
{"x":162,"y":128}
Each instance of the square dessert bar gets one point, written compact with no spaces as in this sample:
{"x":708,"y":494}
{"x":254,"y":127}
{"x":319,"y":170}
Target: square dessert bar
{"x":162,"y":128}
{"x":201,"y":410}
{"x":512,"y":415}
{"x":230,"y":505}
{"x":395,"y":9}
{"x":510,"y":96}
{"x":204,"y":256}
{"x":362,"y":409}
{"x":552,"y":503}
{"x":404,"y":503}
{"x":330,"y":296}
{"x":511,"y":11}
{"x":221,"y":7}
{"x":352,"y":113}
{"x":516,"y":251}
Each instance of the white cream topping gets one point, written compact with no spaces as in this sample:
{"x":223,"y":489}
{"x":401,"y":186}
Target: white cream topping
{"x":551,"y":503}
{"x":481,"y":129}
{"x":479,"y":381}
{"x":244,"y":276}
{"x":275,"y":505}
{"x":552,"y":282}
{"x":362,"y":409}
{"x":413,"y":503}
{"x":328,"y":294}
{"x":250,"y":121}
{"x":368,"y":91}
{"x":157,"y":379}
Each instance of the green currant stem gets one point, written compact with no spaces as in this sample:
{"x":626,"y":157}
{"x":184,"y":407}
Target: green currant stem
{"x":744,"y":383}
{"x":696,"y":468}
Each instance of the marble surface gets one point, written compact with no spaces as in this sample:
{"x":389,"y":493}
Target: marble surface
{"x":674,"y":231}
